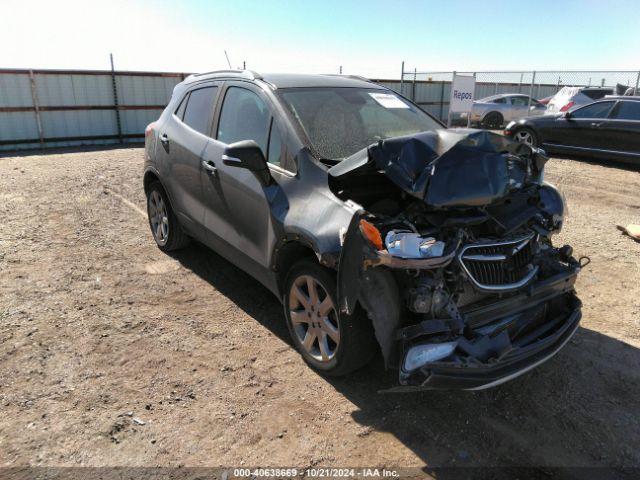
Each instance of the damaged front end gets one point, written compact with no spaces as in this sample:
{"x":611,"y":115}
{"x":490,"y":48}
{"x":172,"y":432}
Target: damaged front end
{"x":452,"y":259}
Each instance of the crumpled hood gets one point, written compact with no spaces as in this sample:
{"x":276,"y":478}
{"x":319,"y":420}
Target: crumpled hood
{"x":449,"y":168}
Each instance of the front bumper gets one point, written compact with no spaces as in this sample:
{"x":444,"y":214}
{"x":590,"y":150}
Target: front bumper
{"x":531,"y":328}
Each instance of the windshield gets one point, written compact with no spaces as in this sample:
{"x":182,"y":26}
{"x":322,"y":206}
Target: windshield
{"x":339,"y":121}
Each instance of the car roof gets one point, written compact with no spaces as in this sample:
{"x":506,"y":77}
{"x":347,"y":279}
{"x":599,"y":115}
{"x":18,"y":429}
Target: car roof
{"x":289,"y":80}
{"x":502,"y":95}
{"x":622,"y":97}
{"x":295,"y":80}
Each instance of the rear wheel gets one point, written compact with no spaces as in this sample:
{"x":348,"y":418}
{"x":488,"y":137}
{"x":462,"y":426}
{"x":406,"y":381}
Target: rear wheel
{"x":526,"y":136}
{"x":493,"y":120}
{"x":163,"y":222}
{"x":332,"y":343}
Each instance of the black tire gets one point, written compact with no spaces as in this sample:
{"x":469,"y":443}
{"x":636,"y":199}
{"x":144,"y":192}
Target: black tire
{"x":172,"y":237}
{"x":492,"y":120}
{"x":357,"y":343}
{"x":521,"y":134}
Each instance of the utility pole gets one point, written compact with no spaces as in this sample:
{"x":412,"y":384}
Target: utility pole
{"x":340,"y":69}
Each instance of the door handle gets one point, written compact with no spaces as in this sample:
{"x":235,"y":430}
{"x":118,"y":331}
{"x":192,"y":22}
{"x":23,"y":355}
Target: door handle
{"x":596,"y":124}
{"x":210,"y":167}
{"x":164,"y":140}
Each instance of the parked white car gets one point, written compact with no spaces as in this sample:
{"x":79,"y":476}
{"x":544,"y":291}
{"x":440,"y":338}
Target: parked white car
{"x":569,"y":98}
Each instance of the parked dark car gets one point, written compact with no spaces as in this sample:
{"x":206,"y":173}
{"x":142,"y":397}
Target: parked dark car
{"x":608,"y":128}
{"x":377,"y":228}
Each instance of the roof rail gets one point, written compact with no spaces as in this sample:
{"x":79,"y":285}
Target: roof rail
{"x":250,"y":74}
{"x":354,"y":77}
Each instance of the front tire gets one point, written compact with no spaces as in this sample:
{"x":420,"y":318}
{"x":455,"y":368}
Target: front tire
{"x":163,"y":222}
{"x":334,"y":344}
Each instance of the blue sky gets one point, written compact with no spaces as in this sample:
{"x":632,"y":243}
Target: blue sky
{"x":365,"y":37}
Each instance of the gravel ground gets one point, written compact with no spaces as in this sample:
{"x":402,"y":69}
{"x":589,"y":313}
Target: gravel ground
{"x":112,"y":353}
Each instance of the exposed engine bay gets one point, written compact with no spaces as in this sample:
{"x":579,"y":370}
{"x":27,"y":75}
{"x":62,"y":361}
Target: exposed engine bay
{"x":452,"y":259}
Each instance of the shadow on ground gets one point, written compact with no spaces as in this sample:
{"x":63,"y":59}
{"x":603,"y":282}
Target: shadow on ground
{"x":579,"y":409}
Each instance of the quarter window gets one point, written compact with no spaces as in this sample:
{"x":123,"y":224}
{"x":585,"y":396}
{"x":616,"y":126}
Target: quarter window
{"x":183,"y":105}
{"x":595,"y":110}
{"x":275,"y":145}
{"x":244,"y":116}
{"x":199,"y":108}
{"x":628,"y":111}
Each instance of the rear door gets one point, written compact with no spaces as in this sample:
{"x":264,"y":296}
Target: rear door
{"x":185,"y":138}
{"x":623,"y":128}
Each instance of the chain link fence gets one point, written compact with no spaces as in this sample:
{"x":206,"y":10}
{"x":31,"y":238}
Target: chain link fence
{"x":431,"y":90}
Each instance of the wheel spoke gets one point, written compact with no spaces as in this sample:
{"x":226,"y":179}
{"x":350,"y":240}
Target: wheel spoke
{"x":301,"y":297}
{"x":313,"y":291}
{"x":324,"y":347}
{"x":325,"y":306}
{"x":298,"y":317}
{"x":329,"y":329}
{"x":308,"y":340}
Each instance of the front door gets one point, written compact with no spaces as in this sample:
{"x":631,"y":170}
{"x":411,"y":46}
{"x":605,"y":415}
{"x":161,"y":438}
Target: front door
{"x":238,"y":216}
{"x":583,"y":127}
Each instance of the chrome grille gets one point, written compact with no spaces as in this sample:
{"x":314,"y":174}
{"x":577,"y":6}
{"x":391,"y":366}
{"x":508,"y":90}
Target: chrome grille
{"x":504,"y":265}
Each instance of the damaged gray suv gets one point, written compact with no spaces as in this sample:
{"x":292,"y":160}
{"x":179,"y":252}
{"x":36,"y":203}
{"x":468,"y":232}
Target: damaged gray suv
{"x":376,"y":227}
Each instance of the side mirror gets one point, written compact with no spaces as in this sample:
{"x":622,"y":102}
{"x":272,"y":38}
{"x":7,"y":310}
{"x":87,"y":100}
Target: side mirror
{"x":247,"y":154}
{"x":567,"y":115}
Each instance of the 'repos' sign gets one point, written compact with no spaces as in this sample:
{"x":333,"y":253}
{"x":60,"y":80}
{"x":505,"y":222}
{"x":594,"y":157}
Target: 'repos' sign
{"x":462,"y":94}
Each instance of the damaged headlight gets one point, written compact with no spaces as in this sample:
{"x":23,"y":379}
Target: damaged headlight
{"x":406,"y":244}
{"x":426,"y":353}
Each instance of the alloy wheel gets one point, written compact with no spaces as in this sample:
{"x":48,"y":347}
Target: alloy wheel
{"x":314,"y":318}
{"x":524,"y":136}
{"x":158,"y":218}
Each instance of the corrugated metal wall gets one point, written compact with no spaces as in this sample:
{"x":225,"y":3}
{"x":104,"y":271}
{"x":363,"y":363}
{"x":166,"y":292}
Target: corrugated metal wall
{"x":61,"y":108}
{"x":50,"y":108}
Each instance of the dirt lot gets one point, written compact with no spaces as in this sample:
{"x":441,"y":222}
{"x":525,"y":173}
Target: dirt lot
{"x":96,"y":322}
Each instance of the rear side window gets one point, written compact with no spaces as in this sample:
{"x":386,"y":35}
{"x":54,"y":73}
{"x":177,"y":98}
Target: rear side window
{"x":595,"y":110}
{"x":628,"y":111}
{"x":597,"y":94}
{"x":199,"y":109}
{"x":244,"y":116}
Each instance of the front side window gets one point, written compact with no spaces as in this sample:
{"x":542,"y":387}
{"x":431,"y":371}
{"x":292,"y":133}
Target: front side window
{"x":595,"y":110}
{"x":339,"y":121}
{"x":500,"y":100}
{"x":199,"y":109}
{"x":520,"y":101}
{"x":244,"y":116}
{"x":628,"y":111}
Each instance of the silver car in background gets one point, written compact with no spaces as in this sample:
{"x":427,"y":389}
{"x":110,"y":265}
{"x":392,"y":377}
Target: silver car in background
{"x":497,"y":110}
